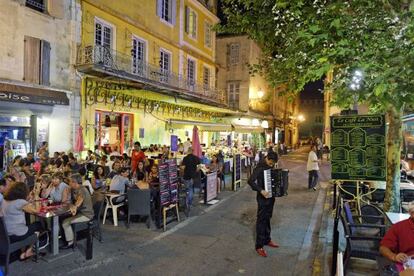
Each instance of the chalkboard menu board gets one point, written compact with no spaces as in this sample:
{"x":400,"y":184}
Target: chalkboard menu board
{"x":358,"y":147}
{"x":237,"y":171}
{"x":211,"y":187}
{"x":168,"y":182}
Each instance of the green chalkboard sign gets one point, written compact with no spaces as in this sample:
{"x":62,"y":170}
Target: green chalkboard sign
{"x":358,"y":147}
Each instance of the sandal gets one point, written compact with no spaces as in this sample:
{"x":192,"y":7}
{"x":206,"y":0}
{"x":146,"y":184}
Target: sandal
{"x":25,"y":258}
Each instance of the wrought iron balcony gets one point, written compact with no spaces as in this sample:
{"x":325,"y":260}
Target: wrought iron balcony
{"x":38,"y":5}
{"x":100,"y":60}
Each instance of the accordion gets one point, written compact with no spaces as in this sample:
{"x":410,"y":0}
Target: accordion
{"x":276,"y":182}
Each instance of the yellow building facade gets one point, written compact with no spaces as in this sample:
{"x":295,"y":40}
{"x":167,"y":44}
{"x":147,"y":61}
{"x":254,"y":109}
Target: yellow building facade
{"x":145,"y":64}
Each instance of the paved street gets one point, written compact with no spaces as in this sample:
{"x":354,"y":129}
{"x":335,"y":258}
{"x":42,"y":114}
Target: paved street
{"x":218,"y":240}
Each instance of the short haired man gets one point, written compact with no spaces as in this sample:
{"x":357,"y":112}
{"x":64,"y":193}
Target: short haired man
{"x":190,"y":166}
{"x":265,"y":203}
{"x":398,"y":243}
{"x":81,"y":210}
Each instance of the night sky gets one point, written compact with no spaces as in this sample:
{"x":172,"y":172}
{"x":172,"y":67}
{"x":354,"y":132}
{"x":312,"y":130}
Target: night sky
{"x":312,"y":90}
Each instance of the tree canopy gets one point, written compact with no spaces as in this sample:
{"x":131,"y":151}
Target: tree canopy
{"x":367,"y":43}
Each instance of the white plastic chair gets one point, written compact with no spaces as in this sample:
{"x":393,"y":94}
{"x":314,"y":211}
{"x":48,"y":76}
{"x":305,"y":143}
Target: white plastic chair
{"x":110,"y":205}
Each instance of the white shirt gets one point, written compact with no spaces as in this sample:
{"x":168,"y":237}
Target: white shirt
{"x":312,"y":165}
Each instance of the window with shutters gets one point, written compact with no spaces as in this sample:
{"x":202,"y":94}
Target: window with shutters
{"x":191,"y":72}
{"x":38,"y":5}
{"x":36,"y":61}
{"x":191,"y":22}
{"x":103,"y":34}
{"x":207,"y":34}
{"x":138,"y":53}
{"x":165,"y":65}
{"x":206,"y":77}
{"x":234,"y":53}
{"x":233,"y":89}
{"x":166,"y":10}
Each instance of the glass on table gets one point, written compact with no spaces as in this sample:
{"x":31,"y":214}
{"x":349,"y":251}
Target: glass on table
{"x":409,"y":263}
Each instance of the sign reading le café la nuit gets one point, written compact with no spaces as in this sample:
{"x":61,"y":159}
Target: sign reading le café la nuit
{"x":358,"y":147}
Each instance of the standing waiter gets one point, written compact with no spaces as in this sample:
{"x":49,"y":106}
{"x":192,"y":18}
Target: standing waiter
{"x":265,"y":203}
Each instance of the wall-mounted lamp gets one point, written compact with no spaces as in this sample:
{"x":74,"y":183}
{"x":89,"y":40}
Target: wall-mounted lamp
{"x":260,"y":93}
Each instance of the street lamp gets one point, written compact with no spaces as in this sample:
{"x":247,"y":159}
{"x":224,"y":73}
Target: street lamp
{"x":301,"y":118}
{"x":260,"y":93}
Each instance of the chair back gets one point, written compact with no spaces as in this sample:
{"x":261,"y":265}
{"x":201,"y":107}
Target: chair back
{"x":97,"y":210}
{"x":378,"y":196}
{"x":348,"y":217}
{"x":4,"y":238}
{"x":371,"y":210}
{"x":348,"y":190}
{"x":139,"y":202}
{"x":407,"y":195}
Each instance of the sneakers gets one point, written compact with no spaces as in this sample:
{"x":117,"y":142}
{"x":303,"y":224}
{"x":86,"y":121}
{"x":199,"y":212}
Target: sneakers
{"x":314,"y":188}
{"x":261,"y":252}
{"x":272,"y":244}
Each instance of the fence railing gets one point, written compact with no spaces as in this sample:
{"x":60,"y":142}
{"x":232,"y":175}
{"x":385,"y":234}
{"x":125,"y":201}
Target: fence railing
{"x":122,"y":64}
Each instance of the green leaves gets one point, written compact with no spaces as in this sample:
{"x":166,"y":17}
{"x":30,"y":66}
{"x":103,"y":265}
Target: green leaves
{"x":302,"y":40}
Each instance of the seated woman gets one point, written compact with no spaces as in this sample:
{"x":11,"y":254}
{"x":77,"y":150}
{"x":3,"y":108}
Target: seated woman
{"x":142,"y":176}
{"x":42,"y":184}
{"x":98,"y":179}
{"x":13,"y":209}
{"x":59,"y":191}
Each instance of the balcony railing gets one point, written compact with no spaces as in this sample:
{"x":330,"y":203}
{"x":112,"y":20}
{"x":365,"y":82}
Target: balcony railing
{"x":38,"y":5}
{"x":123,"y":65}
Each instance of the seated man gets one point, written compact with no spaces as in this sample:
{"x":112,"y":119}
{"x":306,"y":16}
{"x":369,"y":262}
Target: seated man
{"x":119,"y":183}
{"x":82,"y":208}
{"x":398,"y":243}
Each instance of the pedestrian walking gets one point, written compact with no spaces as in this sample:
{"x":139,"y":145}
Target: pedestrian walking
{"x":191,"y":169}
{"x":313,"y":168}
{"x":265,"y":204}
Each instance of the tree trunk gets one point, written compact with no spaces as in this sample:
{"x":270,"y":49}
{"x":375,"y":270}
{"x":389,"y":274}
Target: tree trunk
{"x":394,"y":139}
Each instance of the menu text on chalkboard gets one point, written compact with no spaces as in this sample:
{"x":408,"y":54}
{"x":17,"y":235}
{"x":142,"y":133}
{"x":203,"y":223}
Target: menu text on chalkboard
{"x":358,"y":147}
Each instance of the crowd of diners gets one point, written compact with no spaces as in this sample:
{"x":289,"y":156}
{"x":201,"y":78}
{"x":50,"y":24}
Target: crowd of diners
{"x":62,"y":178}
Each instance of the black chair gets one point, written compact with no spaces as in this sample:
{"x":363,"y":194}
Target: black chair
{"x":362,"y":229}
{"x":93,"y":226}
{"x":358,"y":246}
{"x":406,"y":197}
{"x":139,"y":203}
{"x":372,"y":214}
{"x":7,"y":248}
{"x":378,"y":196}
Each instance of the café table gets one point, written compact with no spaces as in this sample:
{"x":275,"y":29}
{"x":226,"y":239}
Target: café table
{"x":51,"y":211}
{"x":396,"y":217}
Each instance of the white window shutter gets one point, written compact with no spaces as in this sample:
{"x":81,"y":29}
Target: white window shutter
{"x":174,"y":11}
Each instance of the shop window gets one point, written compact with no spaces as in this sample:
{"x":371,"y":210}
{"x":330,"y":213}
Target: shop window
{"x":138,"y":53}
{"x":166,"y":10}
{"x":36,"y":61}
{"x":234,"y":94}
{"x":38,"y":5}
{"x":191,"y":22}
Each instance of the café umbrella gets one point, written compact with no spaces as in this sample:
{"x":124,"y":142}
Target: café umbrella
{"x":79,"y":140}
{"x":196,"y":143}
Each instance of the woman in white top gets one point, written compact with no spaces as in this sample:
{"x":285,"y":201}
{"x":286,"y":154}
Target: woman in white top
{"x":313,"y":168}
